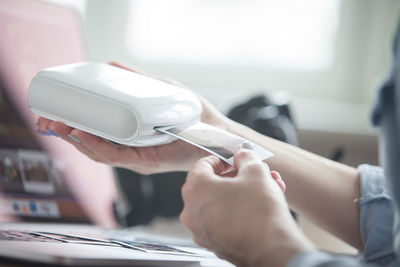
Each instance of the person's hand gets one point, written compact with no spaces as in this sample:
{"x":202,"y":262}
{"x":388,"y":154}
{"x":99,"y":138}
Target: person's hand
{"x":175,"y":156}
{"x":245,"y":218}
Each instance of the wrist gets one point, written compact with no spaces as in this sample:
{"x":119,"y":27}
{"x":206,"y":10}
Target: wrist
{"x":233,"y":126}
{"x":284,"y":242}
{"x":223,"y":122}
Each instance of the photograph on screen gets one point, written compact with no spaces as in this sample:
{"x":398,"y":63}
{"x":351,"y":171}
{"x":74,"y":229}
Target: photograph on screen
{"x":35,"y":171}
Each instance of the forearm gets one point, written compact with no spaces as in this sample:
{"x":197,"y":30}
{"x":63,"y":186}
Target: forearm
{"x":318,"y":188}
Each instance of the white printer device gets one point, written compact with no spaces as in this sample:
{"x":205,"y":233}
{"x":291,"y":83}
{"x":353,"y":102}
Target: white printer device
{"x":113,"y":103}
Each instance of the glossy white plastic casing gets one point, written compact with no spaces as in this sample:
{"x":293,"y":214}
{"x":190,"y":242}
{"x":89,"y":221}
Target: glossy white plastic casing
{"x":110,"y":102}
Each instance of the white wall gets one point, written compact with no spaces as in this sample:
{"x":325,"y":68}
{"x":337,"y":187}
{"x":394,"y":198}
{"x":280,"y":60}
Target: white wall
{"x":362,"y":58}
{"x":365,"y":31}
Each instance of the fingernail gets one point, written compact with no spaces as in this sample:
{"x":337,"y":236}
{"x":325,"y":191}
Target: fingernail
{"x":52,"y":133}
{"x":74,"y":138}
{"x":282,"y":185}
{"x":43,"y":133}
{"x":248,"y":145}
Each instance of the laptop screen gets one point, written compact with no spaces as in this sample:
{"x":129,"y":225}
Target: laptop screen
{"x":43,"y":177}
{"x":32,"y":185}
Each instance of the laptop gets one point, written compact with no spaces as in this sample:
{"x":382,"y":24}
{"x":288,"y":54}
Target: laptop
{"x":50,"y":194}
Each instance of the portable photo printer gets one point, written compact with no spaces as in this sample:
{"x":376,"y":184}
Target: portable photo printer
{"x":110,"y":102}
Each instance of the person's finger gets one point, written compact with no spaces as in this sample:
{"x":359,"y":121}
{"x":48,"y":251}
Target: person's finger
{"x":229,"y":171}
{"x":244,"y":157}
{"x":209,"y":165}
{"x":64,"y":132}
{"x":277,"y":177}
{"x":133,"y":69}
{"x":43,"y":123}
{"x":248,"y":161}
{"x":204,"y":171}
{"x":109,"y":152}
{"x":59,"y":128}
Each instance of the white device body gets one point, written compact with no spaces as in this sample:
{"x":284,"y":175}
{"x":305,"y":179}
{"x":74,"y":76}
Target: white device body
{"x":110,"y":102}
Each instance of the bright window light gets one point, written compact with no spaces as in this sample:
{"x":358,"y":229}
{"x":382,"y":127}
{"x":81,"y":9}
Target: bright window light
{"x":281,"y":34}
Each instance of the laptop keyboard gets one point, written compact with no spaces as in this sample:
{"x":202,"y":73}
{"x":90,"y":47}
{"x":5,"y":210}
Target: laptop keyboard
{"x":24,"y":236}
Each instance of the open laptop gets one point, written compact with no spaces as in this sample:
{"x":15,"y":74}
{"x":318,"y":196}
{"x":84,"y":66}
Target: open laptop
{"x":46,"y":183}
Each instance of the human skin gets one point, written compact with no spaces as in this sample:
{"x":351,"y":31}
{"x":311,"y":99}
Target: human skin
{"x":243,"y":218}
{"x":322,"y":190}
{"x":317,"y":188}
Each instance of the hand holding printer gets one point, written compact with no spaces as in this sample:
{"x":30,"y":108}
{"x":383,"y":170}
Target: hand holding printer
{"x":174,"y":156}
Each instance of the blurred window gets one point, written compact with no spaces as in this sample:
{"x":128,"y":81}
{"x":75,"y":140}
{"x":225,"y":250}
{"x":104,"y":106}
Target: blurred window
{"x":78,"y":5}
{"x":282,"y":34}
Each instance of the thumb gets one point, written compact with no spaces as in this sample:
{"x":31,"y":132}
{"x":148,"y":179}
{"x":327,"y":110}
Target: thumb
{"x":245,"y":159}
{"x":133,"y":69}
